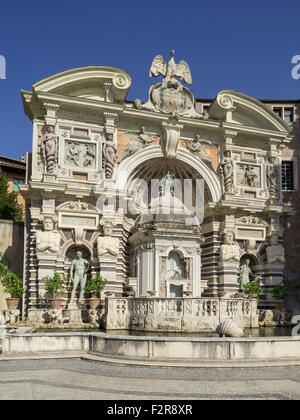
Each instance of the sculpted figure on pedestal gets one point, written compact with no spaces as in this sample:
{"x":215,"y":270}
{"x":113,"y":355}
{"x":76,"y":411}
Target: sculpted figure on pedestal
{"x":227,"y":171}
{"x":47,"y":241}
{"x":107,"y":245}
{"x":246,"y":274}
{"x":49,"y":147}
{"x":166,"y":184}
{"x":110,"y":156}
{"x":78,"y":271}
{"x":229,"y":251}
{"x":275,"y":252}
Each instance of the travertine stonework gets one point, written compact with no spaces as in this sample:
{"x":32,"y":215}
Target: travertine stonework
{"x":94,"y":155}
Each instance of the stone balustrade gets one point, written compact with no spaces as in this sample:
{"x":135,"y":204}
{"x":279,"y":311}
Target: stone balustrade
{"x":178,"y":314}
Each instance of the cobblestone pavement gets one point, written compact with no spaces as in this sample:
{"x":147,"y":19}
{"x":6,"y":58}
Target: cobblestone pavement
{"x":79,"y":379}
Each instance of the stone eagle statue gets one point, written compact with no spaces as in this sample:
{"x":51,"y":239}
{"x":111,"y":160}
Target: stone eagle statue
{"x":170,"y":70}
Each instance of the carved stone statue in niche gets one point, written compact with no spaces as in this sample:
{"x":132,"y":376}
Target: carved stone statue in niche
{"x":166,"y":184}
{"x":47,"y":241}
{"x":107,"y":245}
{"x":78,"y":272}
{"x":226,"y":168}
{"x":275,"y":252}
{"x":229,"y":251}
{"x":246,"y":274}
{"x":198,"y":147}
{"x":137,"y":143}
{"x":109,"y":155}
{"x":273,"y":177}
{"x":49,"y":146}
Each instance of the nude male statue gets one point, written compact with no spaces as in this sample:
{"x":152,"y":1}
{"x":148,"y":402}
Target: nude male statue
{"x":79,"y":268}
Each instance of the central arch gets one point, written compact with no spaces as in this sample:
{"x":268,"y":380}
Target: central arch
{"x":130,"y":167}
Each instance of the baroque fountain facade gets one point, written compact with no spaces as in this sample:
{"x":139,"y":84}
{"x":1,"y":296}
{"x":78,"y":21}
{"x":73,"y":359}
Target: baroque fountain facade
{"x":107,"y":185}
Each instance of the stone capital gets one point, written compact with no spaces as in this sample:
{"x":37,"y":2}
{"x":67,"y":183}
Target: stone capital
{"x":111,"y":120}
{"x":51,"y":110}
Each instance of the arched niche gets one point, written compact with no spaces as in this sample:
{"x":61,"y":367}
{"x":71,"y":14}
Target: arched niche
{"x":70,"y":255}
{"x":175,"y":264}
{"x":185,"y":166}
{"x":176,"y":282}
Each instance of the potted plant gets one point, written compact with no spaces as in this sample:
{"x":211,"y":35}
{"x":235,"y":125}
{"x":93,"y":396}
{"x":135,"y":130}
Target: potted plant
{"x":54,"y":288}
{"x":252,"y":290}
{"x":13,"y":285}
{"x":279,"y":294}
{"x":95,"y":286}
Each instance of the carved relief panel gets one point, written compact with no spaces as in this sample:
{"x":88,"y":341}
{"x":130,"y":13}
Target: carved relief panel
{"x":249,"y":180}
{"x":80,"y":150}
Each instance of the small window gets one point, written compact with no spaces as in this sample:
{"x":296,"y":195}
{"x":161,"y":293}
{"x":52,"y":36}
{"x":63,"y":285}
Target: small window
{"x":287,"y":173}
{"x":278,"y":112}
{"x":17,"y":182}
{"x":288,"y":115}
{"x":205,"y":107}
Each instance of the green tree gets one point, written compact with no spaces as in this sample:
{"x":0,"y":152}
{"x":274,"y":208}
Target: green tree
{"x":10,"y":209}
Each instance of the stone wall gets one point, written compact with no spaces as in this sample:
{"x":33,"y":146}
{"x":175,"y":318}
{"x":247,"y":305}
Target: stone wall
{"x":12,"y":249}
{"x":159,"y":349}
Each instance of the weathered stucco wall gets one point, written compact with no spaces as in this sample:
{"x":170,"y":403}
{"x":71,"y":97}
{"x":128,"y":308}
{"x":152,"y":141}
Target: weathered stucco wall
{"x":12,"y":249}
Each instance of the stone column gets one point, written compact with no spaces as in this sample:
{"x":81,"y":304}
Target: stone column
{"x":147,"y":269}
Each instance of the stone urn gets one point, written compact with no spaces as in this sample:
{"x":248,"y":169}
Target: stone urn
{"x":94,"y":302}
{"x":12,"y":303}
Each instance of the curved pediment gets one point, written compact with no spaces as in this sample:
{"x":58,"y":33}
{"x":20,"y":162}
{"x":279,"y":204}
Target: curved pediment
{"x":242,"y":110}
{"x":101,"y":83}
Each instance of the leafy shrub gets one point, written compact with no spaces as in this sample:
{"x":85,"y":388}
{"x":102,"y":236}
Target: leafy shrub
{"x":10,"y":209}
{"x":11,"y":282}
{"x":252,"y":289}
{"x":95,"y":285}
{"x":54,"y":284}
{"x":280,"y":292}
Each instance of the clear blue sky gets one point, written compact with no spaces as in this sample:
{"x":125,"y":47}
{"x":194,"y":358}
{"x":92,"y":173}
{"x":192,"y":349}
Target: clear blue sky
{"x":246,"y":46}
